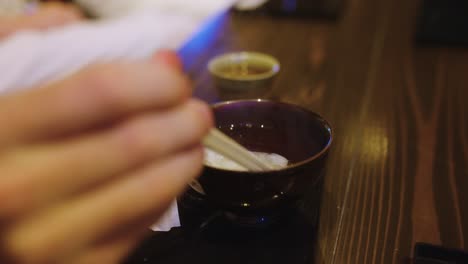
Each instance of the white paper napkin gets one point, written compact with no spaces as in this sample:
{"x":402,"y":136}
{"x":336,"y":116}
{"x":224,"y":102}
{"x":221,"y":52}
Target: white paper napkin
{"x":169,"y":220}
{"x":131,"y":30}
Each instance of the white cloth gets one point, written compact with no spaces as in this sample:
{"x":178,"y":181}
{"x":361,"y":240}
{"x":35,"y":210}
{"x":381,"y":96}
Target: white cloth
{"x":31,"y":58}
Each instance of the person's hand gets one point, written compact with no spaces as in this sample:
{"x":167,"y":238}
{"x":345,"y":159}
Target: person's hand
{"x":47,"y":16}
{"x":88,"y":163}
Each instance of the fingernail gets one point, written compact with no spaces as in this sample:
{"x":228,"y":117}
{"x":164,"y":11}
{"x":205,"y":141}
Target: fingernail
{"x":169,"y":58}
{"x":205,"y":111}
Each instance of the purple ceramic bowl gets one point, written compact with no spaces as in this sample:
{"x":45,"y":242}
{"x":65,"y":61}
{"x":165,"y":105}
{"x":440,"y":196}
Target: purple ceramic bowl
{"x":300,"y":135}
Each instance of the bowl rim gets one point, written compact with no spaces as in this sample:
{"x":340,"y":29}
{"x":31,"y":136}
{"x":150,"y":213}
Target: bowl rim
{"x":322,"y":120}
{"x":274,"y":67}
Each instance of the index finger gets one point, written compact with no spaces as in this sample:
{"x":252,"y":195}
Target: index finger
{"x":94,"y":96}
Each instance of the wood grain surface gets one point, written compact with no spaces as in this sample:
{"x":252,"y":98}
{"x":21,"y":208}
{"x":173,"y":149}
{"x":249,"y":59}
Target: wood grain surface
{"x":398,"y":170}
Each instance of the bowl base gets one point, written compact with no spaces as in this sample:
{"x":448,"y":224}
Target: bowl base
{"x":197,"y":212}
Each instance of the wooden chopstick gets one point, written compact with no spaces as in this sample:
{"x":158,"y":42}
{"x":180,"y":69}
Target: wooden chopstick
{"x":226,"y":146}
